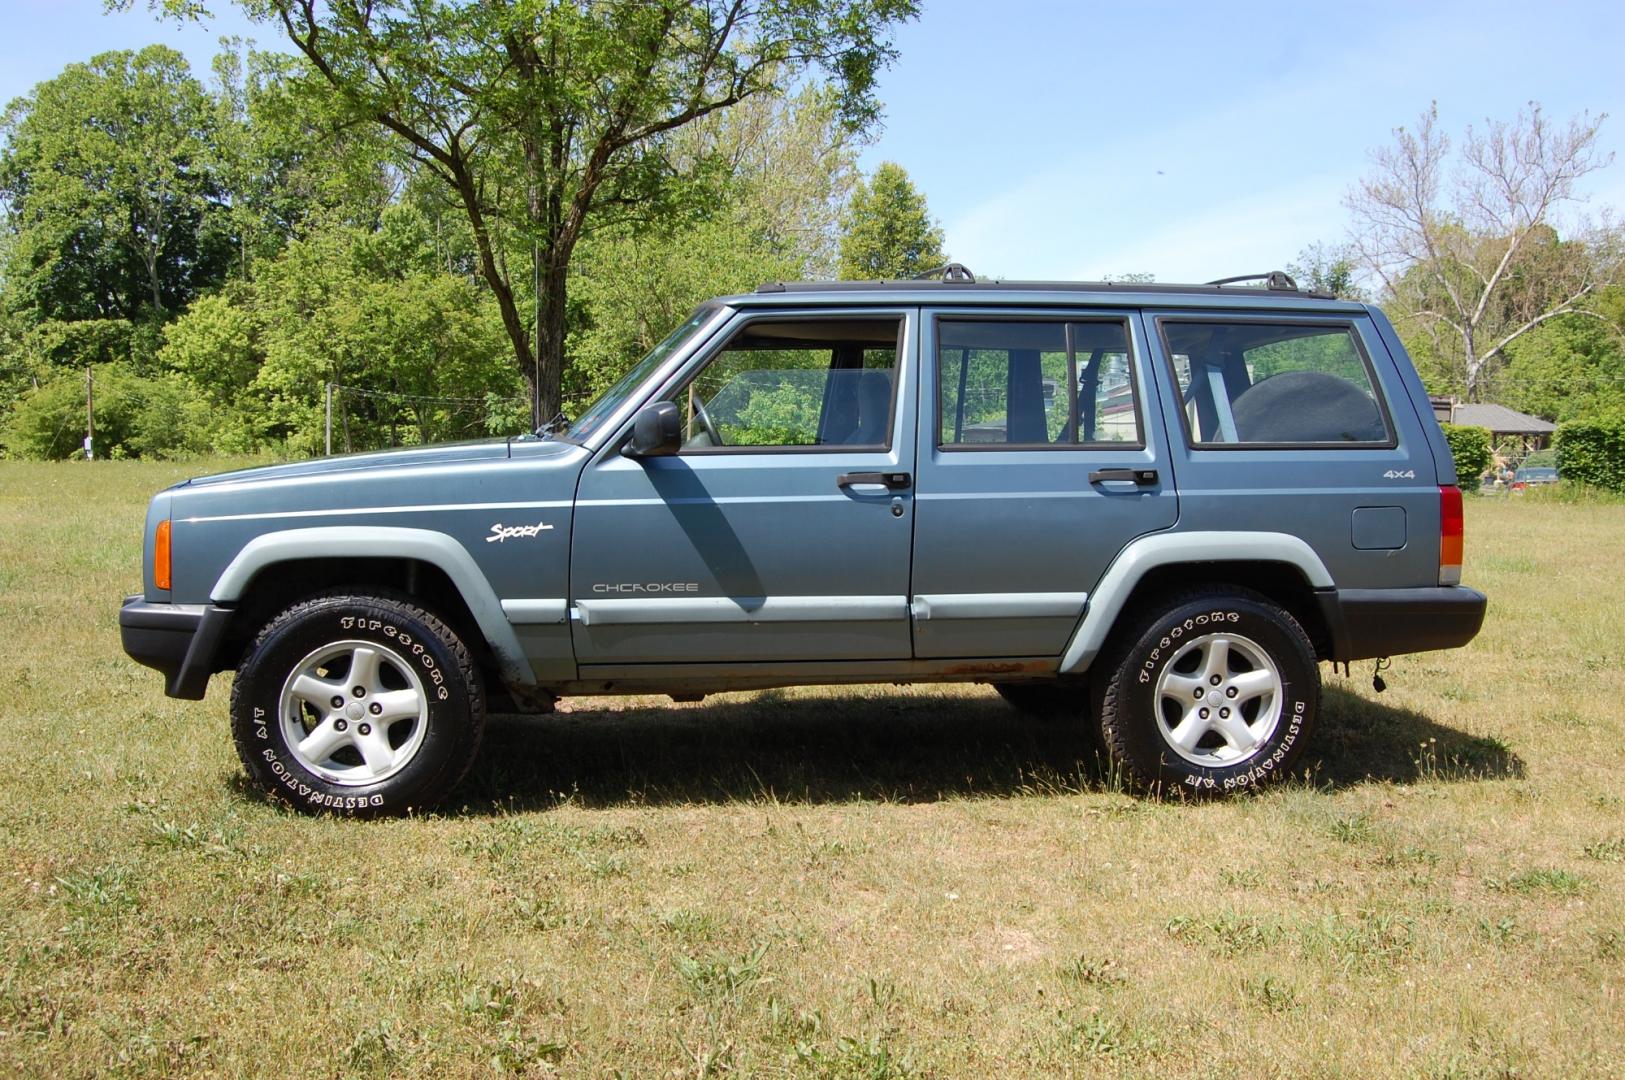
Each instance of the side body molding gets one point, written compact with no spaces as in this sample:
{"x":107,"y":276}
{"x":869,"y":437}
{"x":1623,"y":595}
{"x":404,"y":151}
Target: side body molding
{"x":1162,"y":549}
{"x":375,"y":542}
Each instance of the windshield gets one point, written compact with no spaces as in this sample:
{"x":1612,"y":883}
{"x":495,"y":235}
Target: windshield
{"x":610,"y":400}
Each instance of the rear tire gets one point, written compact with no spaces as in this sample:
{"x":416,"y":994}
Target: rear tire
{"x":1215,"y":694}
{"x":357,"y":705}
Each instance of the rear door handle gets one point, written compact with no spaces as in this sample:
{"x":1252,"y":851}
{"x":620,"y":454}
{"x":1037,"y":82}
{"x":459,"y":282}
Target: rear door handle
{"x":894,"y":481}
{"x":1139,"y":477}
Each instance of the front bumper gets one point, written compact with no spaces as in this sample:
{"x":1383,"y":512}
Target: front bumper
{"x":1367,"y":623}
{"x":179,"y":640}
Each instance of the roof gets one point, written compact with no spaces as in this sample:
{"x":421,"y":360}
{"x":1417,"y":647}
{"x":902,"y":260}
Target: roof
{"x":1500,"y":420}
{"x":1042,"y":293}
{"x":953,"y":286}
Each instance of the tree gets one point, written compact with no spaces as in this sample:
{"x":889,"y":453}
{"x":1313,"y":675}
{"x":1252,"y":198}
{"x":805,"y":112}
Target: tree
{"x":888,"y":229}
{"x":106,"y":180}
{"x":1329,"y":269}
{"x":1474,"y":256}
{"x":546,"y":121}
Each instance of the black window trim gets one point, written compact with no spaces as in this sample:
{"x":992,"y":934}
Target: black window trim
{"x":1351,"y":326}
{"x":684,"y":378}
{"x":1065,"y":320}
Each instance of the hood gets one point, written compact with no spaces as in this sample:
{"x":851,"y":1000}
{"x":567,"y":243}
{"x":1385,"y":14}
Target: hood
{"x":442,"y":454}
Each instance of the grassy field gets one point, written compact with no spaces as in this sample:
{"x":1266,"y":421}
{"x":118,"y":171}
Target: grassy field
{"x":876,"y":882}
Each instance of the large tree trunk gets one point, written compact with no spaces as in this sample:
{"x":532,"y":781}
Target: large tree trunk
{"x":550,"y":342}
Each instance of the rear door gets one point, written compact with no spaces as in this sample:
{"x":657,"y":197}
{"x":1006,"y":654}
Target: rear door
{"x":1300,"y":423}
{"x":781,"y":531}
{"x":1038,"y":463}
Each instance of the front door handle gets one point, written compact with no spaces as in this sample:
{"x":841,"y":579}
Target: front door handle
{"x":894,"y":481}
{"x":1139,"y":477}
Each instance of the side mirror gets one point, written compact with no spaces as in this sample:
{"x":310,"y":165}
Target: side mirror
{"x":657,"y":431}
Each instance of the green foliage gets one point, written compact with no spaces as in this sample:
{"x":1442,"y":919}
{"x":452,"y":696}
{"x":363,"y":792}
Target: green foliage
{"x":1593,"y":452}
{"x":1470,"y":447}
{"x":1570,"y":368}
{"x":547,"y":122}
{"x":889,"y":233}
{"x":106,"y":176}
{"x":364,"y":309}
{"x":136,"y":416}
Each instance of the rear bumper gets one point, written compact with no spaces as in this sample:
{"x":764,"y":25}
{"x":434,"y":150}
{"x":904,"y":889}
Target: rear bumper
{"x":179,"y":640}
{"x":1366,"y":623}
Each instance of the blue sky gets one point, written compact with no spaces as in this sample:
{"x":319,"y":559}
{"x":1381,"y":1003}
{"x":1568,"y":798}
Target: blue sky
{"x":1078,"y":140}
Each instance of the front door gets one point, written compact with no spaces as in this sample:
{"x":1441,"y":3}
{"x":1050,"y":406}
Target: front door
{"x":781,"y":531}
{"x":1037,"y":466}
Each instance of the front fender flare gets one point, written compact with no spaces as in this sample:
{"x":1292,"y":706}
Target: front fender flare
{"x":384,"y":542}
{"x":1161,"y":549}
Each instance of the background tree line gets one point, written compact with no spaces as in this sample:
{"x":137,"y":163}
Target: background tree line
{"x":402,"y":200}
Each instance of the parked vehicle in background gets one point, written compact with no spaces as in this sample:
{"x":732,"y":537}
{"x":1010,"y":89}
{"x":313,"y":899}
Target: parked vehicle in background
{"x":1528,"y":476}
{"x":1154,"y":507}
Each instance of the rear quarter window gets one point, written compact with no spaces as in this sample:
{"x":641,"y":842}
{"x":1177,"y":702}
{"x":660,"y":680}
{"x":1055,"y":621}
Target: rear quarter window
{"x":1269,"y":384}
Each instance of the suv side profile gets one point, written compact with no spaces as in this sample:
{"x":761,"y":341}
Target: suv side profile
{"x":1154,"y":507}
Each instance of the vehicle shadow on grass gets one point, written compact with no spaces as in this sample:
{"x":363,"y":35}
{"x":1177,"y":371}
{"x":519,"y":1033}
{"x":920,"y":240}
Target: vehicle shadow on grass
{"x":890,"y":745}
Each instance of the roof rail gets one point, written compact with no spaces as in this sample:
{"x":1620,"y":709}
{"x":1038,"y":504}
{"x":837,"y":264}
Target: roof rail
{"x":1275,"y":280}
{"x":955,"y":273}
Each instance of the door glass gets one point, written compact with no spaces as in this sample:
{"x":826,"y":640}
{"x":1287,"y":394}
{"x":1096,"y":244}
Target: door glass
{"x":795,"y":384}
{"x":1035,"y":384}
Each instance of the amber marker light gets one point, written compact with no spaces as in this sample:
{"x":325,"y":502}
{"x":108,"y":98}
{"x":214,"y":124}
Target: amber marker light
{"x":160,"y":556}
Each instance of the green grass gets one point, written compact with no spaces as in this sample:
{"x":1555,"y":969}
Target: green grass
{"x":874,"y":882}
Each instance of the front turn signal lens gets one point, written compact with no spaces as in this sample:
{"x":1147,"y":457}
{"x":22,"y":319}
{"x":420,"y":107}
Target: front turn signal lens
{"x":160,"y":556}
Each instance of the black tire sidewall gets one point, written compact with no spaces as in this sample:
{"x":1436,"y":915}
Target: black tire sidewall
{"x":1132,"y":724}
{"x":452,"y":705}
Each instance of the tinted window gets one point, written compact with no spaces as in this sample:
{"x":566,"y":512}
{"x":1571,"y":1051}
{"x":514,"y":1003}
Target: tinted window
{"x":1035,"y":384}
{"x":1282,"y":384}
{"x":795,"y":383}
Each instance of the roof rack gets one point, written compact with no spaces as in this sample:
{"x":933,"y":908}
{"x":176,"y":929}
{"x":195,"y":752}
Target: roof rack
{"x":1275,"y":280}
{"x":948,"y":273}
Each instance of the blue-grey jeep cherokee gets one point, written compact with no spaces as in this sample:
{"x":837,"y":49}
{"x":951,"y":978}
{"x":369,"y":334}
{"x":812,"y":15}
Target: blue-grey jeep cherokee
{"x":1156,"y":507}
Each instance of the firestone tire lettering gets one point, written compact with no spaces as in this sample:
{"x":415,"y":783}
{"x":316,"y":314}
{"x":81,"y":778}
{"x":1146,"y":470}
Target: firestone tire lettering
{"x":455,"y":715}
{"x":1131,"y":666}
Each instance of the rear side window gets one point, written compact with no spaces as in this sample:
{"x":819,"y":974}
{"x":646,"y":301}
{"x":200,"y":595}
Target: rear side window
{"x":1035,"y":384}
{"x":1275,"y":384}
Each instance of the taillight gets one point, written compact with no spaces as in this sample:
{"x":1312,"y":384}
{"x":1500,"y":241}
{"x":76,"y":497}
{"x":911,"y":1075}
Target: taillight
{"x":1451,"y":535}
{"x":160,"y":556}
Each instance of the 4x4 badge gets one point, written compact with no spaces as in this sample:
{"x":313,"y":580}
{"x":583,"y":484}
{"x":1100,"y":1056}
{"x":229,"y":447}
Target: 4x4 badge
{"x":501,"y":533}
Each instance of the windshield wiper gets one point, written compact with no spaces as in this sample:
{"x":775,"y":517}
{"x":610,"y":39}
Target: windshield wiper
{"x":551,"y":426}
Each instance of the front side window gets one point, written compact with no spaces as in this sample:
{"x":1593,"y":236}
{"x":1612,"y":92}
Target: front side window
{"x":1035,"y":384}
{"x":805,"y":383}
{"x":1274,"y":384}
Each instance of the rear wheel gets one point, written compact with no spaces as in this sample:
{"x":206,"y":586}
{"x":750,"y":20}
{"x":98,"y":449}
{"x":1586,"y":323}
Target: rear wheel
{"x":1215,"y":694}
{"x":359,"y":705}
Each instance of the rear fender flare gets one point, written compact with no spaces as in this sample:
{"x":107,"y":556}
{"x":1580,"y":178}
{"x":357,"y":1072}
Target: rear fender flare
{"x":1162,"y":549}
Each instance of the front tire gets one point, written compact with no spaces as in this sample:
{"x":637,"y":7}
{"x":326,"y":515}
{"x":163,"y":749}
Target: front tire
{"x":357,"y":705}
{"x":1216,"y":693}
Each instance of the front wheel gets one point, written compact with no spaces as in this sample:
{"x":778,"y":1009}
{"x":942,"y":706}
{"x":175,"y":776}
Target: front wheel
{"x":1216,"y":693}
{"x":359,"y":705}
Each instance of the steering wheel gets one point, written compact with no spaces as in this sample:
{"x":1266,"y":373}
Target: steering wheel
{"x":705,"y":421}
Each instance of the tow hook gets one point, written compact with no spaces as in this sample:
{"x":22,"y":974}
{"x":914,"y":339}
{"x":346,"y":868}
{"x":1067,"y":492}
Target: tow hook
{"x":1377,"y":682}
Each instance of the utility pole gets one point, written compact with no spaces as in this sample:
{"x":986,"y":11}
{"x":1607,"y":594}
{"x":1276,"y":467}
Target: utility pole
{"x":90,"y":415}
{"x":329,"y":425}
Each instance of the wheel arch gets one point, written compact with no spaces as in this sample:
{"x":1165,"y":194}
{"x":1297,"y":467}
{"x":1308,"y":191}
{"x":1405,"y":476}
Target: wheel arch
{"x":280,"y":568}
{"x":1277,"y":565}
